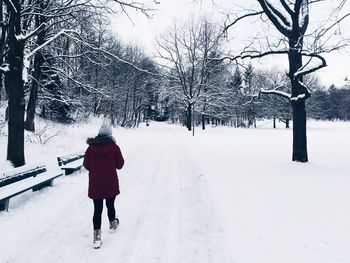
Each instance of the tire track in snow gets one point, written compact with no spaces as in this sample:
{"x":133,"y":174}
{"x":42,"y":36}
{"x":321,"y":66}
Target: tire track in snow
{"x":179,"y":221}
{"x":203,"y":228}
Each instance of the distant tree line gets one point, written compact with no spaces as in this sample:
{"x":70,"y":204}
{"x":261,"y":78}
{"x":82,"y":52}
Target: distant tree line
{"x":232,"y":99}
{"x":330,"y":104}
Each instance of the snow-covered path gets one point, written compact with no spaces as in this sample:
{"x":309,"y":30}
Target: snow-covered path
{"x":223,"y":196}
{"x":165,"y":211}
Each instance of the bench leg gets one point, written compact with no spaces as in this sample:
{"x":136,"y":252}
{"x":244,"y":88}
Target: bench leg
{"x":69,"y":171}
{"x":4,"y":204}
{"x":43,"y":185}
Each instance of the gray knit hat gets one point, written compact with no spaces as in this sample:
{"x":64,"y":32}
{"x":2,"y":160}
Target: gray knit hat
{"x":105,"y":130}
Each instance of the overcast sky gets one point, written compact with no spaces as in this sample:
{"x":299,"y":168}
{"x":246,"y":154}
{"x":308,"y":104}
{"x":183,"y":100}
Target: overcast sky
{"x":143,"y":31}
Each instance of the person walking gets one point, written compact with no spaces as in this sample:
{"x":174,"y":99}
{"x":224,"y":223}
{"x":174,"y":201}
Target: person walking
{"x":102,"y":158}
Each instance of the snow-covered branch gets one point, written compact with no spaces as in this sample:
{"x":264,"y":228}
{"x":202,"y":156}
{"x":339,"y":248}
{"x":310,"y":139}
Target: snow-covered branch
{"x":76,"y":37}
{"x":276,"y":91}
{"x":47,"y":42}
{"x":88,"y":88}
{"x":287,"y":7}
{"x":4,"y":68}
{"x":11,"y":5}
{"x":286,"y":95}
{"x":26,"y":59}
{"x":304,"y":71}
{"x":299,"y":97}
{"x":283,"y":25}
{"x":22,"y":37}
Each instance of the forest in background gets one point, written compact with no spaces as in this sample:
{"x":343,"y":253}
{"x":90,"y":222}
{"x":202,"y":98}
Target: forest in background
{"x":60,"y":61}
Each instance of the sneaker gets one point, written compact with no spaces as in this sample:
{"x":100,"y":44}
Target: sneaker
{"x":97,"y":239}
{"x":113,"y":225}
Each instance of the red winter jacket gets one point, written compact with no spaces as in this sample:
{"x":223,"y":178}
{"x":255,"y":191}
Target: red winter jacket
{"x":102,"y":158}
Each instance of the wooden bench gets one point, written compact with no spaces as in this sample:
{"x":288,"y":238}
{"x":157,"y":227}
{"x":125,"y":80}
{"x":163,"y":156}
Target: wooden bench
{"x":22,"y":179}
{"x":71,"y":163}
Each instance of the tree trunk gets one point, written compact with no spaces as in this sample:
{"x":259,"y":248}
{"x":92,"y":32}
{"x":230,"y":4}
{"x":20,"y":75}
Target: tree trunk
{"x":15,"y":87}
{"x":43,"y":112}
{"x":33,"y":96}
{"x":299,"y":132}
{"x":189,"y":117}
{"x":287,"y":123}
{"x":2,"y":46}
{"x":203,"y":121}
{"x":38,"y":62}
{"x":299,"y":113}
{"x":274,"y":122}
{"x":125,"y":115}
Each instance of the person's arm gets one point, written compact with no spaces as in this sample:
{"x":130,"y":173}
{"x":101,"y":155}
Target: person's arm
{"x":86,"y":162}
{"x":119,"y":160}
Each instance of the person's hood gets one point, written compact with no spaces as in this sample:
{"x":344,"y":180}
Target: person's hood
{"x":100,"y":140}
{"x":101,"y":146}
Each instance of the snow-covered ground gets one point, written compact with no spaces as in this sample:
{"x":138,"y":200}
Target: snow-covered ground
{"x":226,"y":195}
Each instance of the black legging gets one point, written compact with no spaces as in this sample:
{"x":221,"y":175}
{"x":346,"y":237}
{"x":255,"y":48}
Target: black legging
{"x":98,"y":207}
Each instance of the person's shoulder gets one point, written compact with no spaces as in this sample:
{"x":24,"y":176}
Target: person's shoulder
{"x":116,"y":146}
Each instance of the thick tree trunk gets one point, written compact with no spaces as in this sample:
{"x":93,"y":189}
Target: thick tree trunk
{"x":14,"y":85}
{"x":299,"y":132}
{"x":299,"y":113}
{"x":2,"y":46}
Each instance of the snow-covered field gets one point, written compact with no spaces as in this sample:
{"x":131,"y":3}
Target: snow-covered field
{"x":226,"y":195}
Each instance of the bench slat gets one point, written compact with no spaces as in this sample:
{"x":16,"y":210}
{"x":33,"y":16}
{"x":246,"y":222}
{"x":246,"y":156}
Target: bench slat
{"x":18,"y":174}
{"x":63,"y":160}
{"x":73,"y":165}
{"x":12,"y":190}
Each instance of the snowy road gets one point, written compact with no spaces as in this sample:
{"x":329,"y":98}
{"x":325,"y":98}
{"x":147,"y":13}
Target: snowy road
{"x":189,"y":200}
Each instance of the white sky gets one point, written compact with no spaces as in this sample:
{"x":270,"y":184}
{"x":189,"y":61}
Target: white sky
{"x":143,"y":31}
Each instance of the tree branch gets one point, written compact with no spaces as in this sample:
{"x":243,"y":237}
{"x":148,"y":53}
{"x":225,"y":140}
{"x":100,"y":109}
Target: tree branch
{"x":31,"y":34}
{"x":277,"y":92}
{"x":11,"y":5}
{"x":283,"y":28}
{"x":302,"y":71}
{"x":252,"y":56}
{"x":240,"y":18}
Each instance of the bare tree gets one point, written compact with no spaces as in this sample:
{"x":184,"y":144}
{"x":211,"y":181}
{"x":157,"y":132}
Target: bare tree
{"x":186,"y":52}
{"x":304,"y":51}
